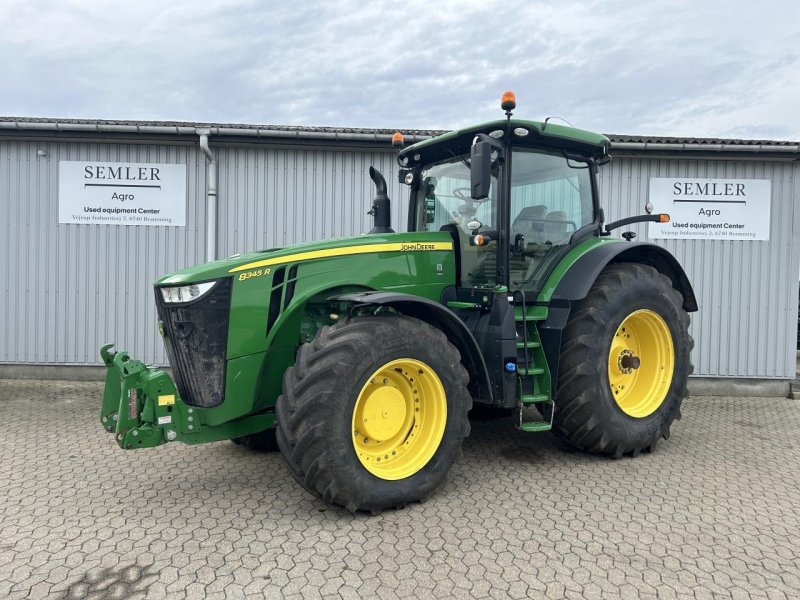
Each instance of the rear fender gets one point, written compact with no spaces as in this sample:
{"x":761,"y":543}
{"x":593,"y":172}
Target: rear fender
{"x":579,"y":279}
{"x":443,"y":319}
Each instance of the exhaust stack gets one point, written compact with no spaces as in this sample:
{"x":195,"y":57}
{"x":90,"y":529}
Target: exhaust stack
{"x":381,"y":205}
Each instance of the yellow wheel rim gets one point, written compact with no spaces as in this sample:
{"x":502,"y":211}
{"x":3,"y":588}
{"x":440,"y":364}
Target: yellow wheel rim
{"x":399,"y":419}
{"x":641,"y":363}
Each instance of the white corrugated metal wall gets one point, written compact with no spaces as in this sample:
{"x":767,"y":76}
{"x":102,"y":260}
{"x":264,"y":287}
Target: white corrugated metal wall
{"x":747,"y":290}
{"x":271,"y":197}
{"x":68,"y":288}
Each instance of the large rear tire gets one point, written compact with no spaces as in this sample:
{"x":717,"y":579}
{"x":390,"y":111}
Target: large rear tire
{"x":624,"y":363}
{"x":373,"y":412}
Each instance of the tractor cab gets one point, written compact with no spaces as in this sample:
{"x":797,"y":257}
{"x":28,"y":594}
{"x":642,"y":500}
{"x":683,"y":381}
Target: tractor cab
{"x":536,"y":196}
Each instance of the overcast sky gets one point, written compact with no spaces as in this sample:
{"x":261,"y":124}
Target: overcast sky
{"x":673,"y":67}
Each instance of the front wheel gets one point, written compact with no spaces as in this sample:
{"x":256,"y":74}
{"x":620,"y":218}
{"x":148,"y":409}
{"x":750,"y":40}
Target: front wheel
{"x":624,"y":363}
{"x":374,"y":411}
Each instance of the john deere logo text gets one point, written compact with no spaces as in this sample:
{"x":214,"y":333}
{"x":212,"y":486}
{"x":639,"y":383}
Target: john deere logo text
{"x":416,"y":247}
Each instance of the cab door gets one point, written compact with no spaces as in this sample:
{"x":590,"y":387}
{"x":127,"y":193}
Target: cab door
{"x":443,"y":203}
{"x":551,"y":203}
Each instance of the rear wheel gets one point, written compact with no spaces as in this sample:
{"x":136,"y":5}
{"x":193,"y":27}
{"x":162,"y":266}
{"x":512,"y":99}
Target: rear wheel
{"x":624,"y":363}
{"x":374,"y":412}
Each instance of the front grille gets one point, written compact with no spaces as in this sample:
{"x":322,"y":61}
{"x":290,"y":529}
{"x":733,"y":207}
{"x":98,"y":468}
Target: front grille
{"x":196,"y":339}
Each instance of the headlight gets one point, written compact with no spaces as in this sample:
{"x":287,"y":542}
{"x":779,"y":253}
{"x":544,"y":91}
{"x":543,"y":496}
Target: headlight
{"x":186,"y":293}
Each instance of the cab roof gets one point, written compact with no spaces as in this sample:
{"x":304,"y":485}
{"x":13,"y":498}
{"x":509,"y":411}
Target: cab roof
{"x":541,"y":135}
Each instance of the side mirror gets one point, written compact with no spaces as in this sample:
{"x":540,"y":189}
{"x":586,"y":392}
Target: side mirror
{"x":480,"y":176}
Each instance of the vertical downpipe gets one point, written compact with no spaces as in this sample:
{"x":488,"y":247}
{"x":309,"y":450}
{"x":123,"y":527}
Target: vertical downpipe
{"x":211,"y":197}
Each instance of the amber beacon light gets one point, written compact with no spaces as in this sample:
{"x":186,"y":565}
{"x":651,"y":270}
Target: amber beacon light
{"x":508,"y":101}
{"x":397,"y":140}
{"x":663,"y":218}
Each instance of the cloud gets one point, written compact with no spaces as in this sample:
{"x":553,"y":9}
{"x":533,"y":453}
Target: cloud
{"x":678,"y":67}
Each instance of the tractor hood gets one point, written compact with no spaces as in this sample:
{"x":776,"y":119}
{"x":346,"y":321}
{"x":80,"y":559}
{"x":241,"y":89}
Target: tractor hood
{"x":362,"y":244}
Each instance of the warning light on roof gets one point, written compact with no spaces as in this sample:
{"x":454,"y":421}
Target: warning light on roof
{"x":509,"y":101}
{"x":397,"y":140}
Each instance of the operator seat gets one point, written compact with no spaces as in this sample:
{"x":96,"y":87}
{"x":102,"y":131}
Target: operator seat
{"x":556,"y":228}
{"x":527,"y":223}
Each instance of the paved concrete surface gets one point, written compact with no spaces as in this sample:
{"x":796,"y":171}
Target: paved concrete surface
{"x":715,"y":512}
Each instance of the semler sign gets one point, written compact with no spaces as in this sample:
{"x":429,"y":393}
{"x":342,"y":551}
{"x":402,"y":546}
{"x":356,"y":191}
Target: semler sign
{"x":716,"y":209}
{"x":121,"y":193}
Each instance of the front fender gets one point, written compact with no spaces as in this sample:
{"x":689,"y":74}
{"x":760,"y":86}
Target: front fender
{"x":442,"y":318}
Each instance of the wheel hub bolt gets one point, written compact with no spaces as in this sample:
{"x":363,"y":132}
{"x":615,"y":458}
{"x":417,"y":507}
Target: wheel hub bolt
{"x":628,"y":362}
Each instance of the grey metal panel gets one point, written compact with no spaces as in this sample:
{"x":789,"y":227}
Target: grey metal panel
{"x":747,"y":290}
{"x":271,"y":197}
{"x":69,"y":288}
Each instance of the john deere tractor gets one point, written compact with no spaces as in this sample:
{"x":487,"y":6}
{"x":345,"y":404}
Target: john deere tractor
{"x":362,"y":357}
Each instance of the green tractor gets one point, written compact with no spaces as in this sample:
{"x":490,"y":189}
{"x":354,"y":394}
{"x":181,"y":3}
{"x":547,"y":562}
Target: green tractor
{"x":361,"y":358}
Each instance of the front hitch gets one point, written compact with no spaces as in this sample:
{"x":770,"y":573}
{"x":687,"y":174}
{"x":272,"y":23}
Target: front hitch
{"x":142,"y":408}
{"x":140,"y":404}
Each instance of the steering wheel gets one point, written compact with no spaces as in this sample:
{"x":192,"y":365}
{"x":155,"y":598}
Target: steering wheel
{"x":460,"y":193}
{"x":470,"y":206}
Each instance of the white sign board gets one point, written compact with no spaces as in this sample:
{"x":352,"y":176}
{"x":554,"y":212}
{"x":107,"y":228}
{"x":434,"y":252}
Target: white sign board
{"x":121,"y":193}
{"x":715,"y":209}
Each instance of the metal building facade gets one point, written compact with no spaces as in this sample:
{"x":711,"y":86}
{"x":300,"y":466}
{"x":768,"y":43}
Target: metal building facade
{"x":66,"y":287}
{"x":276,"y":196}
{"x":69,"y":288}
{"x":747,"y":290}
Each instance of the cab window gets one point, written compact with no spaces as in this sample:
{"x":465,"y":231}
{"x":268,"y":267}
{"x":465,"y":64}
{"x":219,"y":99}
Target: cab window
{"x":551,"y":198}
{"x":443,"y":203}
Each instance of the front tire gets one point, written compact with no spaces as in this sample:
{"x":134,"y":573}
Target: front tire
{"x":624,"y":363}
{"x":373,"y":412}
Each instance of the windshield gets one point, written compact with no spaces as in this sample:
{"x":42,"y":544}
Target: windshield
{"x":443,"y":203}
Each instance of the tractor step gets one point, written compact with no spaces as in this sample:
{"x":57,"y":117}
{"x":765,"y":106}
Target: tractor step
{"x":528,"y":344}
{"x":531,"y":313}
{"x":535,"y":426}
{"x":533,"y":375}
{"x":534,"y":398}
{"x":524,"y":371}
